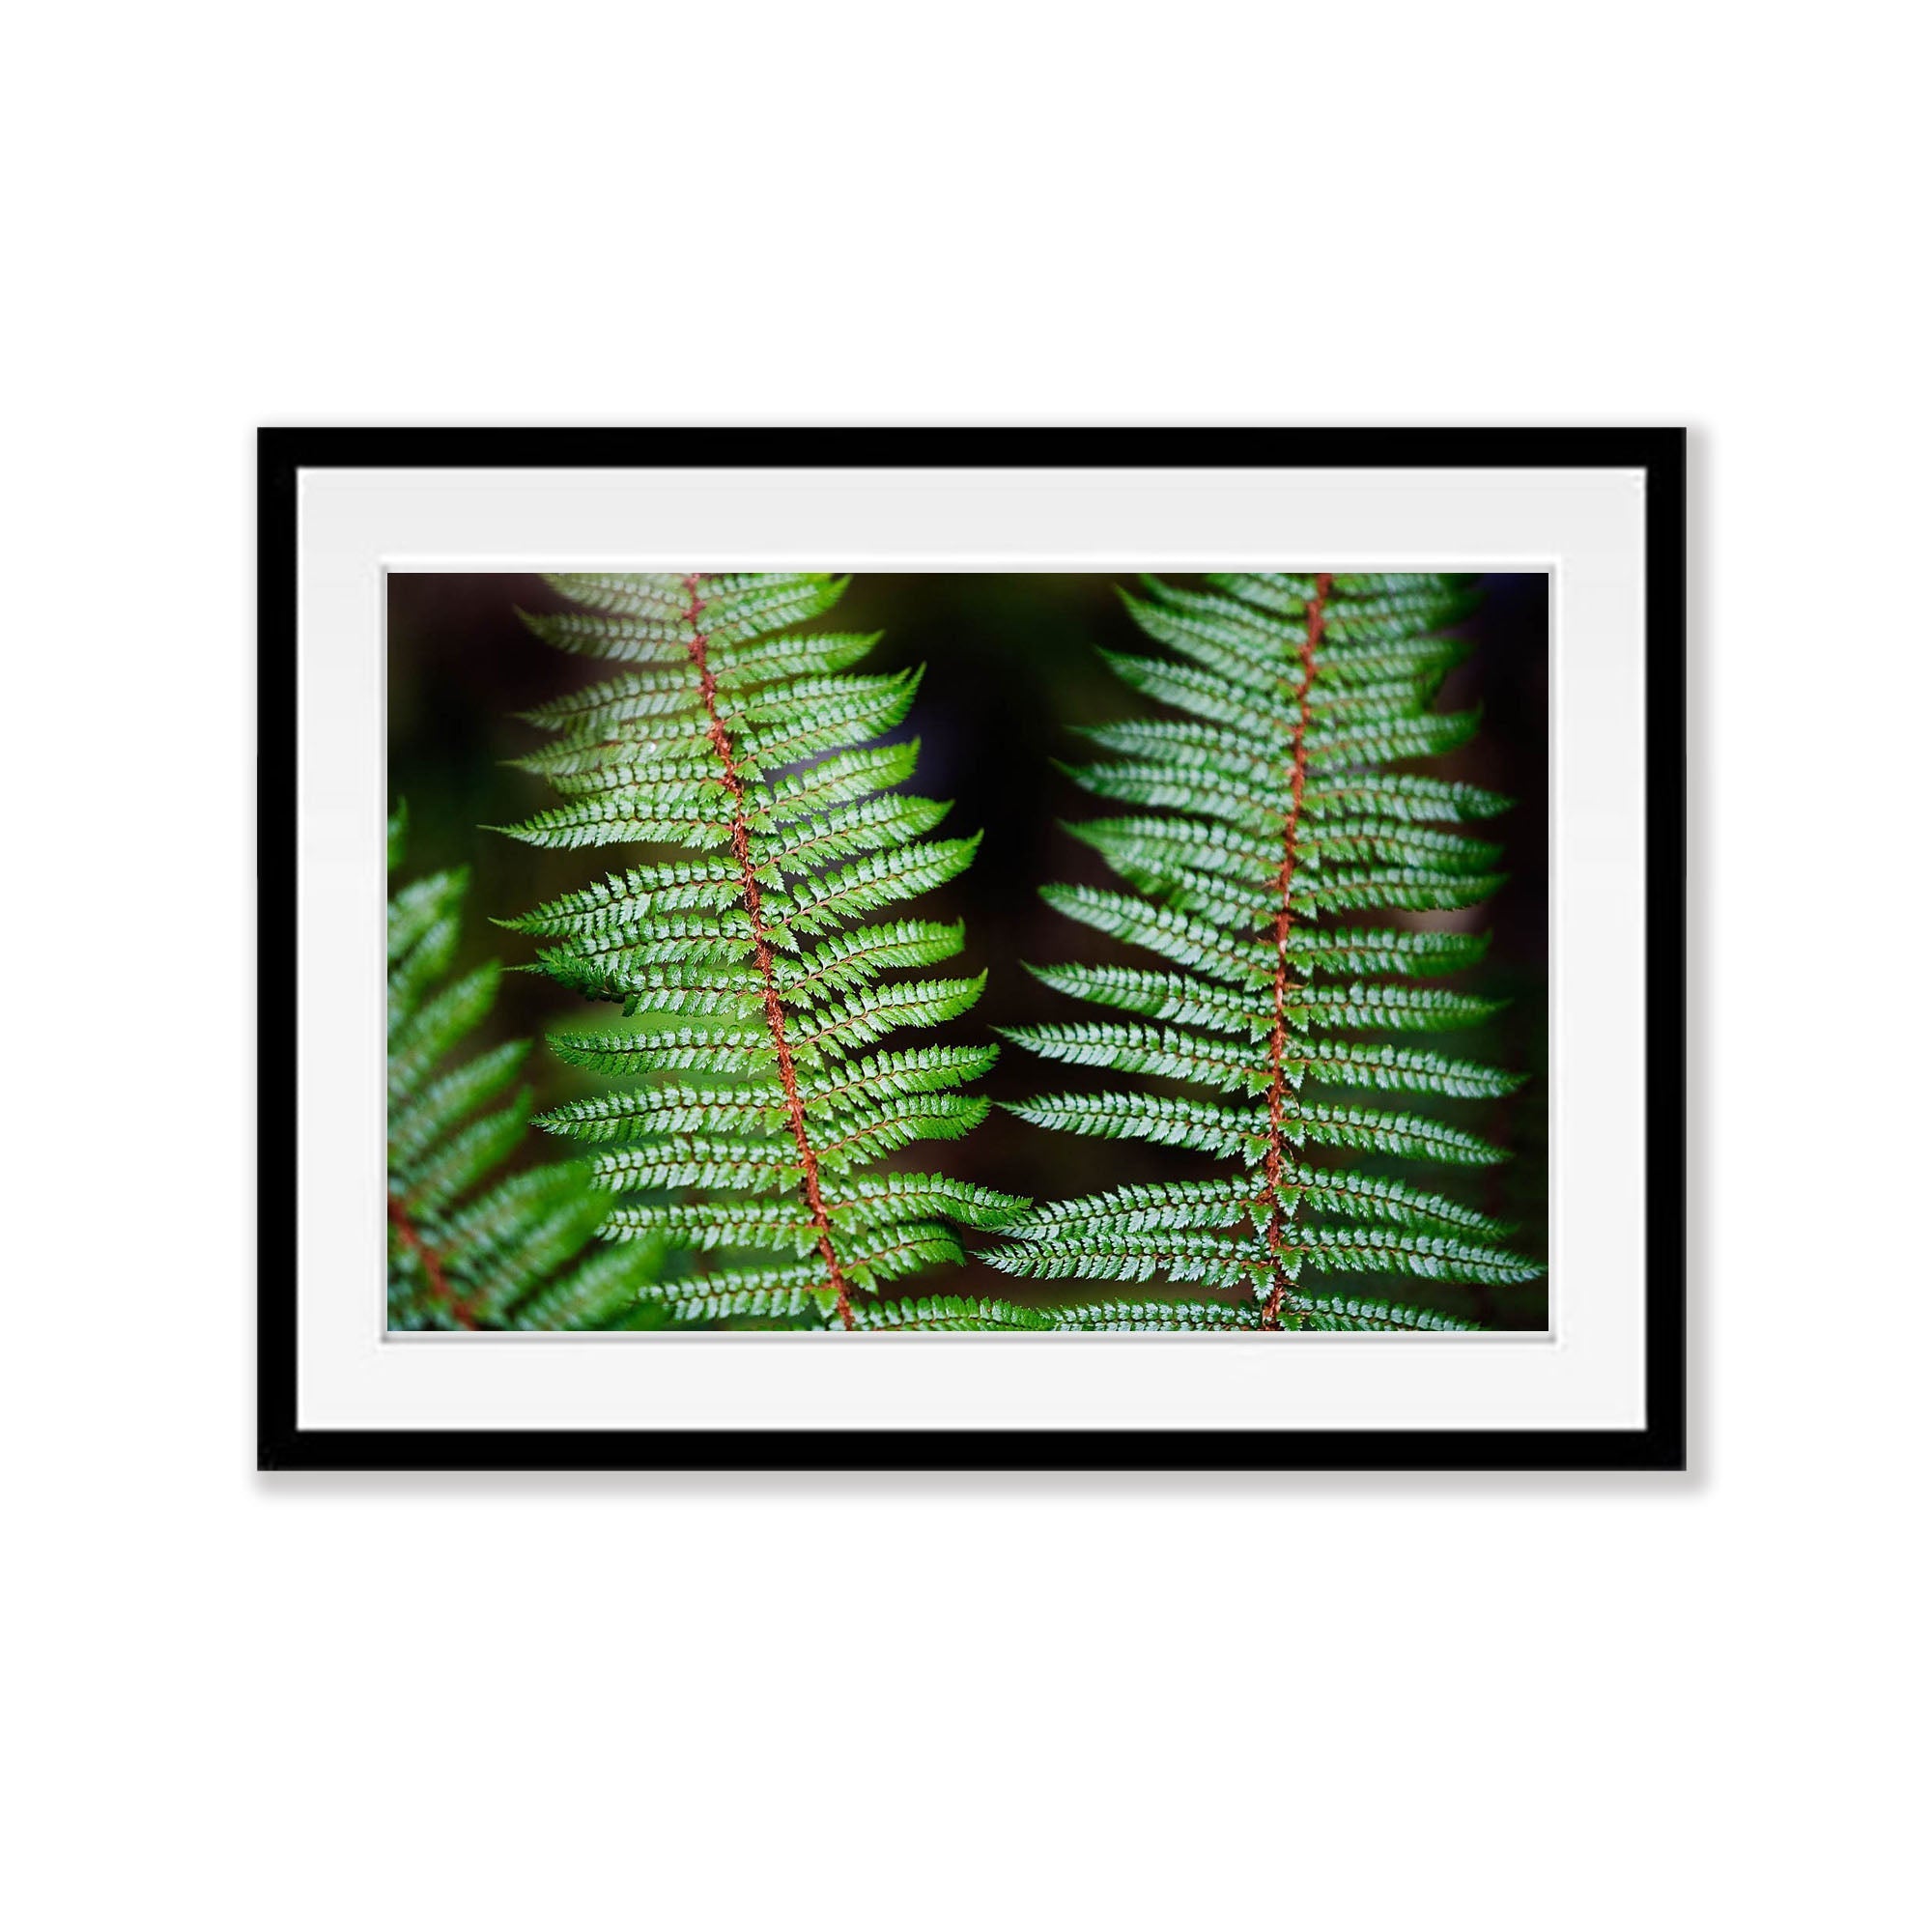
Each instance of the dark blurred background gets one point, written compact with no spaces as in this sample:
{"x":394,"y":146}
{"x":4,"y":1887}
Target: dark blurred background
{"x":1010,"y":665}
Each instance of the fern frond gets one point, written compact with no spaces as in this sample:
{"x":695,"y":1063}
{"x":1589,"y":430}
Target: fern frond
{"x":1269,"y":837}
{"x":464,"y":1251}
{"x":758,"y":986}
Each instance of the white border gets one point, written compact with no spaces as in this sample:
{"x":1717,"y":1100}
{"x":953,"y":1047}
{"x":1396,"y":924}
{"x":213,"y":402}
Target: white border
{"x":1583,"y":525}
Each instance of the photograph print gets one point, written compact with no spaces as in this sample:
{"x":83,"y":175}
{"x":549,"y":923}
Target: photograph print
{"x":990,"y":952}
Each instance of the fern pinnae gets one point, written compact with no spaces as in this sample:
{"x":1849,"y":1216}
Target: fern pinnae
{"x":748,"y":963}
{"x":1264,"y":829}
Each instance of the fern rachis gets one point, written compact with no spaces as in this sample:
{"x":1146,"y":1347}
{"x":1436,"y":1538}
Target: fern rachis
{"x":1297,"y":781}
{"x":761,"y":952}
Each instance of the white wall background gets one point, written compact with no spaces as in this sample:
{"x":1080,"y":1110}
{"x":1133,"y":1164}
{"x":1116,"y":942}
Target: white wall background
{"x":1335,"y":1703}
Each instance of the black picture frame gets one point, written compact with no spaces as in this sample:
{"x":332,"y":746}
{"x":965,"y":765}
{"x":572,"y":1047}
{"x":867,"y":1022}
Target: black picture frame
{"x":1659,"y":1444}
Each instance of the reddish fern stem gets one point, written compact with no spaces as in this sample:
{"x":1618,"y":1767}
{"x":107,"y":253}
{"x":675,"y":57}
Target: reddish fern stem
{"x":432,"y":1265}
{"x":741,"y":851}
{"x":1278,"y":1218}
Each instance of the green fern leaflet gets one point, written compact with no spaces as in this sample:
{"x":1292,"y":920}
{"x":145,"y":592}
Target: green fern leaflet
{"x":750,"y":953}
{"x":463,"y":1253}
{"x":1264,"y":838}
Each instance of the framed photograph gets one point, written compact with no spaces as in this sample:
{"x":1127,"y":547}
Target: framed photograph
{"x":972,"y":949}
